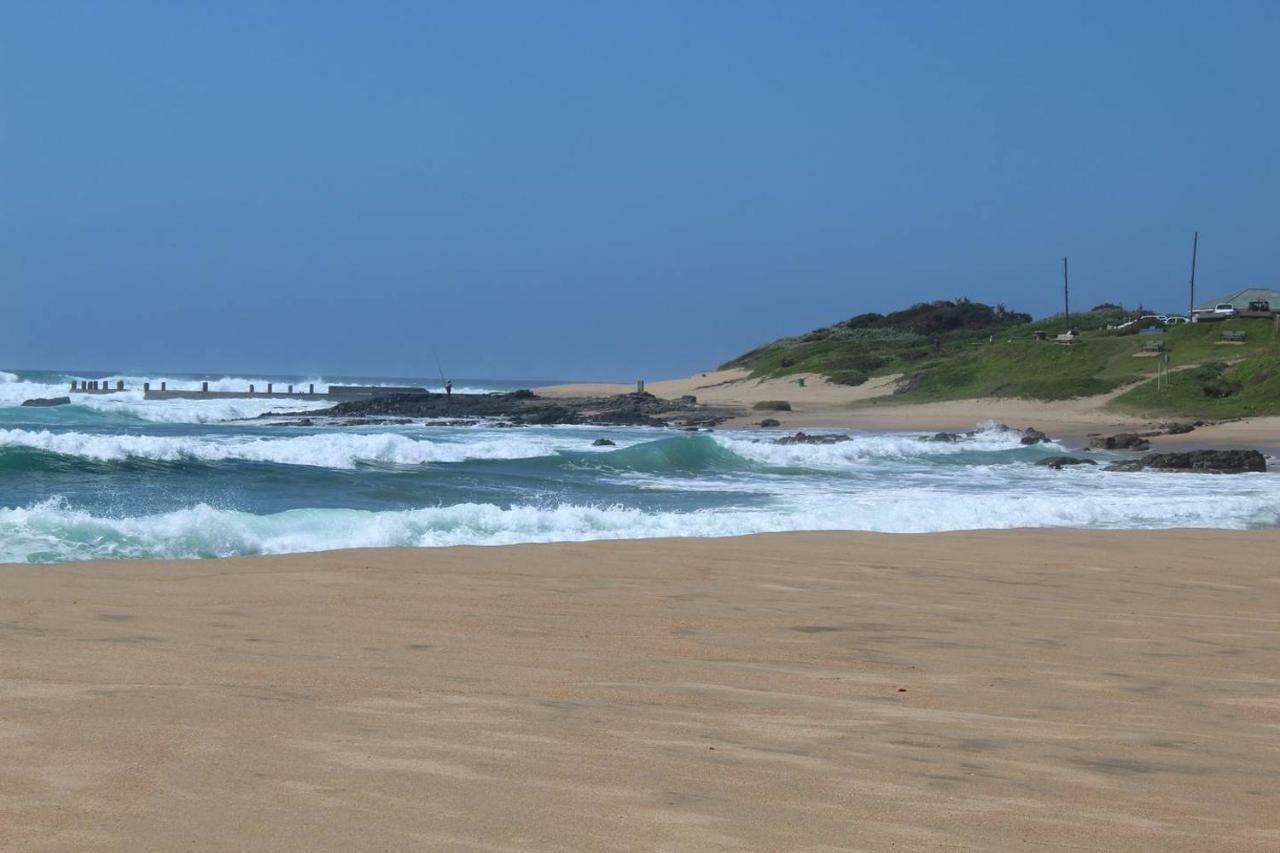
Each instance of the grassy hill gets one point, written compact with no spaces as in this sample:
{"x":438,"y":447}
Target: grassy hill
{"x":962,"y":350}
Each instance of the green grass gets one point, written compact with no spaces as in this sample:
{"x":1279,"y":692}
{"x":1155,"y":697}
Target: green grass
{"x":976,"y":351}
{"x":1213,"y":390}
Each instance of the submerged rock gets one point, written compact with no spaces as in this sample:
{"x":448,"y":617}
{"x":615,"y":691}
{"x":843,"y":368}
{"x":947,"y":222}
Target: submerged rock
{"x":1057,"y":463}
{"x":770,"y":422}
{"x":44,"y":402}
{"x":1198,"y":461}
{"x":603,"y":442}
{"x":804,"y":438}
{"x":944,"y":437}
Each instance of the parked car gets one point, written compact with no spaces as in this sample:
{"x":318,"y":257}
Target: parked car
{"x":1224,"y":309}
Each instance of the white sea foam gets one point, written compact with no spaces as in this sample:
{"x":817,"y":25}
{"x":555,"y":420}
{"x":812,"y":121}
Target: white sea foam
{"x":327,"y":450}
{"x":865,"y":447}
{"x":51,"y":530}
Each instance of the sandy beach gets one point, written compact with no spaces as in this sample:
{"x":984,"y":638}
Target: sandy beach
{"x":819,"y":403}
{"x":1049,"y":689}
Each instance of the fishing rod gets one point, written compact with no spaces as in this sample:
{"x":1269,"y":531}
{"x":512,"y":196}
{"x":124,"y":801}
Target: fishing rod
{"x":443,"y":382}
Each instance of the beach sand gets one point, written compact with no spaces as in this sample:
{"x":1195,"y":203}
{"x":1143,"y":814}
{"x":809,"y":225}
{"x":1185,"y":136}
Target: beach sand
{"x":1029,"y":690}
{"x":822,"y":404}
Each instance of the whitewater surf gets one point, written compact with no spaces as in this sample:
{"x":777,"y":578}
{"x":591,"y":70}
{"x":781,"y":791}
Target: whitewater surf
{"x":120,"y":477}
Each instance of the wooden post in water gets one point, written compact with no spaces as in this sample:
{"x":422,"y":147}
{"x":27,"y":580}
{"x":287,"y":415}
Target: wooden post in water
{"x":290,"y":389}
{"x":204,"y":387}
{"x":269,"y":384}
{"x":250,"y":389}
{"x":163,"y":386}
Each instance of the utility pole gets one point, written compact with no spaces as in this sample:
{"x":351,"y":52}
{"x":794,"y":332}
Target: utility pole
{"x":1066,"y":293}
{"x":1195,"y":245}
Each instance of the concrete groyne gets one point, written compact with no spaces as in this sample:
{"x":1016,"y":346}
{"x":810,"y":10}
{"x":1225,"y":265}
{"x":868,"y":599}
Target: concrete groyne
{"x":269,"y":391}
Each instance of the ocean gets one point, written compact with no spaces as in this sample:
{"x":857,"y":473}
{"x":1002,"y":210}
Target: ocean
{"x":115,"y":476}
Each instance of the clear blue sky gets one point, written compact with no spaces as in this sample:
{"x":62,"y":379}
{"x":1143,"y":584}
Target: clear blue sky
{"x":606,"y":189}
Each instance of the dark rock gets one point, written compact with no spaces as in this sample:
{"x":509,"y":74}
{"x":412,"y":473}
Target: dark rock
{"x":945,"y":437}
{"x":770,"y":422}
{"x":803,"y":438}
{"x":45,"y":402}
{"x":1057,"y":463}
{"x":1199,"y":461}
{"x":1120,"y":441}
{"x":526,"y":408}
{"x":1179,"y":429}
{"x":603,"y":442}
{"x":772,"y":406}
{"x":689,"y":400}
{"x":1030,"y":435}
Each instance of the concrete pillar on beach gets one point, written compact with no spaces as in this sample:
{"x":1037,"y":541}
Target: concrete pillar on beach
{"x":639,"y":386}
{"x":204,"y":387}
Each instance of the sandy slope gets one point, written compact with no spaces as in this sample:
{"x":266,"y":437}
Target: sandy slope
{"x":972,"y":691}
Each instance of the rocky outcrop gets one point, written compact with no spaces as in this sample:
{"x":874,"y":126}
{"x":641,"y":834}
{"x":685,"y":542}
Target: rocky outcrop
{"x":1031,"y":435}
{"x":524,"y":408}
{"x":1197,"y":461}
{"x":45,"y":402}
{"x":770,"y":422}
{"x":1120,"y":441}
{"x":1057,"y":463}
{"x":603,"y":442}
{"x":804,"y":438}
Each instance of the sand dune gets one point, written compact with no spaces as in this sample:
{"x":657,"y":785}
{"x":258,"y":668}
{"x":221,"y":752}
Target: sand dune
{"x":969,"y":691}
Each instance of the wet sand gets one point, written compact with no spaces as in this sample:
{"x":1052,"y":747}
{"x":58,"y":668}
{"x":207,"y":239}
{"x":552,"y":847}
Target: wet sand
{"x":831,"y":691}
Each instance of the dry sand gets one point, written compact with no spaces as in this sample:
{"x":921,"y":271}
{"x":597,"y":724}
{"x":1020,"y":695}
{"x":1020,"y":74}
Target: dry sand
{"x":823,"y":404}
{"x":1046,"y":690}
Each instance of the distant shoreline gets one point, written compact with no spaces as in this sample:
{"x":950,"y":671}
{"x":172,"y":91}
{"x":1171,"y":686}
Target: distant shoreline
{"x":820,"y":404}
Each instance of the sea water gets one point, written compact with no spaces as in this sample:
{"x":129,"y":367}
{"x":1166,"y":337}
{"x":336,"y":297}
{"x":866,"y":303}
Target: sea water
{"x":117,"y":476}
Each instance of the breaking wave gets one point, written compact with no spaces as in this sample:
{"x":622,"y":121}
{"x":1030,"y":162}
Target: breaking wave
{"x":52,"y":531}
{"x":326,"y":450}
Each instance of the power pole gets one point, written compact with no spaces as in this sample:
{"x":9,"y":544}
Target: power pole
{"x":1195,"y":245}
{"x":1066,"y":293}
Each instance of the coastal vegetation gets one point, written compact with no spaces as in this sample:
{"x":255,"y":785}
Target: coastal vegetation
{"x":962,"y":349}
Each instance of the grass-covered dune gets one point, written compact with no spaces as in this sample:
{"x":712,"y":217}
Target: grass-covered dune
{"x":964,"y":350}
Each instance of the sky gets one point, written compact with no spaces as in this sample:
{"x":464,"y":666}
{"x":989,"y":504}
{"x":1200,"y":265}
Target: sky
{"x":607,"y":190}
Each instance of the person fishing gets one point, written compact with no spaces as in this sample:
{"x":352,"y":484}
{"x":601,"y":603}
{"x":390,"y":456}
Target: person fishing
{"x":448,"y":389}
